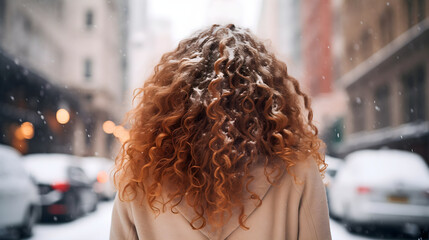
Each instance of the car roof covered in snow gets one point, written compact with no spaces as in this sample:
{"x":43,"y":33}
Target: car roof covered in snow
{"x":49,"y":167}
{"x":387,"y":165}
{"x":93,"y":165}
{"x":333,"y":163}
{"x":8,"y":151}
{"x":10,"y":161}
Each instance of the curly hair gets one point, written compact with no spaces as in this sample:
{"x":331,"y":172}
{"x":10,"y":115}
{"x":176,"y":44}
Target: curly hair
{"x":217,"y":106}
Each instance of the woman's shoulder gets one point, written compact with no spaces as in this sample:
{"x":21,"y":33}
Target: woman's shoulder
{"x":305,"y":167}
{"x":304,"y":173}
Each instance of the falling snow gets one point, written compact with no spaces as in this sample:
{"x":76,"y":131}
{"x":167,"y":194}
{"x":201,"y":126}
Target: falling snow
{"x":358,"y":100}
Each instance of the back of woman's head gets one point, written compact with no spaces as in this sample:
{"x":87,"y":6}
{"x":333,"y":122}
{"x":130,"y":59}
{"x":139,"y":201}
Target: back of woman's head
{"x":216,"y":107}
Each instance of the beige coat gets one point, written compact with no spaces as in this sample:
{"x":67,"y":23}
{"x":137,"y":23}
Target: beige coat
{"x":289,"y":210}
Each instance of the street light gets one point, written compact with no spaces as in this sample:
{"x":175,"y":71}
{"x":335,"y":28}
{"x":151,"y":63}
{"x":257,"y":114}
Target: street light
{"x":121,"y":133}
{"x":27,"y":130}
{"x":63,"y":116}
{"x":109,"y":127}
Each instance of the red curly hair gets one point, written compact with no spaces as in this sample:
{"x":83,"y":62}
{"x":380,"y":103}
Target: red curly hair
{"x":216,"y":107}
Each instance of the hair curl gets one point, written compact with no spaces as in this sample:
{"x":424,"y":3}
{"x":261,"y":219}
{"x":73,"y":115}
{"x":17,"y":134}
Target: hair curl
{"x":217,"y":106}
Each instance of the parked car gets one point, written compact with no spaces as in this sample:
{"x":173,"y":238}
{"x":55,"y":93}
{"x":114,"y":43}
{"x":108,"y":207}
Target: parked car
{"x":334,"y":164}
{"x":98,"y":170}
{"x":381,"y":187}
{"x":331,"y":171}
{"x":66,"y":192}
{"x":19,"y":199}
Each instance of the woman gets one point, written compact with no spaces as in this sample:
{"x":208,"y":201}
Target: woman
{"x":222,"y":146}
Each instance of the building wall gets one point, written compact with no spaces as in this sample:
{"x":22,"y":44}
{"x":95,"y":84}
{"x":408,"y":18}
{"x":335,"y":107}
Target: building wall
{"x":370,"y":25}
{"x":75,"y":45}
{"x":279,"y":25}
{"x":366,"y":17}
{"x":385,"y":70}
{"x":54,"y":40}
{"x":364,"y":94}
{"x":301,"y":34}
{"x":316,"y":17}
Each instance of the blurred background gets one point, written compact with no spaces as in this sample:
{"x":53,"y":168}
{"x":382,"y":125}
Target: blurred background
{"x":68,"y":70}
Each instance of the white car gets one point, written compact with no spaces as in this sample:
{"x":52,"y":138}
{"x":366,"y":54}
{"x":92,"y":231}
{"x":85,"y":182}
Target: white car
{"x":65,"y":190}
{"x":381,"y":187}
{"x":19,"y":198}
{"x":99,"y":170}
{"x":334,"y":164}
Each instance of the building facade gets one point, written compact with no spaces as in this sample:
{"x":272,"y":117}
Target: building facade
{"x":385,"y":67}
{"x":76,"y":47}
{"x":316,"y":22}
{"x":279,"y":25}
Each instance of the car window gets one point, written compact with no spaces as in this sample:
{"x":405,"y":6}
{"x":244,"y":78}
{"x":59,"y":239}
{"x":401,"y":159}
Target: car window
{"x":77,"y":174}
{"x":331,"y":172}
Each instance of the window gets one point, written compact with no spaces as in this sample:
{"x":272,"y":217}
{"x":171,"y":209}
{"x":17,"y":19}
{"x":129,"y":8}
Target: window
{"x":27,"y":25}
{"x":88,"y":69}
{"x":382,"y":108}
{"x":413,"y":84}
{"x":416,"y":11}
{"x":358,"y":115}
{"x":2,"y":14}
{"x":410,"y":11}
{"x":58,"y":7}
{"x":89,"y":19}
{"x":366,"y":44}
{"x":386,"y":26}
{"x":421,"y":8}
{"x":89,"y":138}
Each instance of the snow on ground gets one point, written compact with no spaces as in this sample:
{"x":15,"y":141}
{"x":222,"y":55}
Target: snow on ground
{"x":94,"y":226}
{"x":339,"y":232}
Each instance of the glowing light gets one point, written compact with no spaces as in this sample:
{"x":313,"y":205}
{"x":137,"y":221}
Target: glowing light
{"x":102,"y":177}
{"x":118,"y":130}
{"x":121,"y":133}
{"x":27,"y":130}
{"x":18,"y":134}
{"x":63,"y":116}
{"x":109,"y":127}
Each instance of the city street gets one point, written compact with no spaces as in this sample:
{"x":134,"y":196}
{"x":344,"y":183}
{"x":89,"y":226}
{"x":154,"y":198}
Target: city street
{"x":96,"y":226}
{"x":195,"y":95}
{"x":93,"y":226}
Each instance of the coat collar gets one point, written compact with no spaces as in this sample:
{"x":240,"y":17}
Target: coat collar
{"x":260,"y":186}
